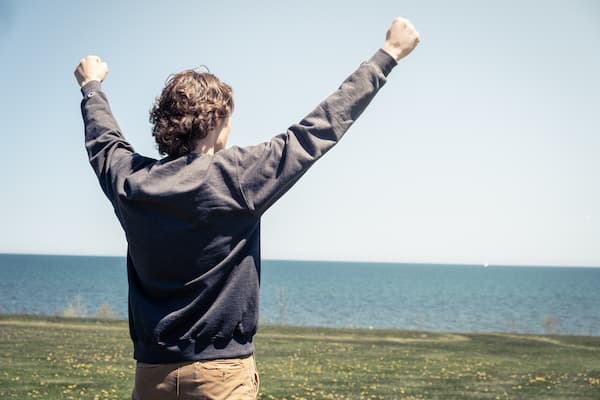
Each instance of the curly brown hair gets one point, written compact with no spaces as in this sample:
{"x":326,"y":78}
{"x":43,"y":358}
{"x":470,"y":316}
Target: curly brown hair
{"x":189,"y":107}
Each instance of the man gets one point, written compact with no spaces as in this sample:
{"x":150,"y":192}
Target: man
{"x":192,"y":219}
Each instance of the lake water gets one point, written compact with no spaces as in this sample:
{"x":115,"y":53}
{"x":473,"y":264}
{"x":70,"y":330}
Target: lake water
{"x":380,"y":295}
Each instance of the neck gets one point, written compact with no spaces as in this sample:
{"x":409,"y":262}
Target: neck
{"x":209,"y":144}
{"x":204,"y":148}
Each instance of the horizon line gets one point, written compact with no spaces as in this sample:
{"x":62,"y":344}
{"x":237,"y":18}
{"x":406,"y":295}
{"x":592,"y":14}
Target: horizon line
{"x":470,"y":264}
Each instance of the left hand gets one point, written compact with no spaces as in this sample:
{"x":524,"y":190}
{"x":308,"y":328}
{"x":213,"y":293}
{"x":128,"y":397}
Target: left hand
{"x":90,"y":68}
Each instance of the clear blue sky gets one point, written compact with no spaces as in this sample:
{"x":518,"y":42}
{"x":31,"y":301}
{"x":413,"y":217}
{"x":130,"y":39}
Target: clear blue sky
{"x":483,"y":146}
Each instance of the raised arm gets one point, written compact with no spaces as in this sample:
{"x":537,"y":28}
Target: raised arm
{"x":268,"y":170}
{"x":105,"y":144}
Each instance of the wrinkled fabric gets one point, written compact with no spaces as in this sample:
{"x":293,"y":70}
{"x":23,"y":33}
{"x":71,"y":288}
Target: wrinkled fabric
{"x":193,"y":223}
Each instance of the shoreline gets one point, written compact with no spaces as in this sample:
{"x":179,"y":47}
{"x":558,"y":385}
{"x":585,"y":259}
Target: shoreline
{"x":115,"y":324}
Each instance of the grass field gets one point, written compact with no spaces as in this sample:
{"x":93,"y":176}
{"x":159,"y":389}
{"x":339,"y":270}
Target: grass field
{"x":58,"y":358}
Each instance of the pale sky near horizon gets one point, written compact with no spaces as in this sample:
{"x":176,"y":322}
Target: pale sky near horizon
{"x":481,"y":148}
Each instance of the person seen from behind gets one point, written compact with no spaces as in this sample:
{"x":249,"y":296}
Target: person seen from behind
{"x":192,"y":218}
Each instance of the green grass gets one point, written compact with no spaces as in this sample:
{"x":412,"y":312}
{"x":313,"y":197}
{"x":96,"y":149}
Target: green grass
{"x":58,"y":358}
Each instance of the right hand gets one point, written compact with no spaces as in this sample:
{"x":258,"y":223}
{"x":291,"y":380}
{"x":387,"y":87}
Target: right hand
{"x":90,"y":68}
{"x":401,"y":38}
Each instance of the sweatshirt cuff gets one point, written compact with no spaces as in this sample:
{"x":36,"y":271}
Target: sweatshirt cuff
{"x":90,"y":88}
{"x":384,"y":61}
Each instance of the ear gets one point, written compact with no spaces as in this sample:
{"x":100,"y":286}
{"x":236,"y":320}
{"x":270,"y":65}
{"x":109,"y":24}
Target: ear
{"x":223,"y":122}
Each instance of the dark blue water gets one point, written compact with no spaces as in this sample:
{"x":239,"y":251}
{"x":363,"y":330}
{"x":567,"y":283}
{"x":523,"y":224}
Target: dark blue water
{"x":425,"y":297}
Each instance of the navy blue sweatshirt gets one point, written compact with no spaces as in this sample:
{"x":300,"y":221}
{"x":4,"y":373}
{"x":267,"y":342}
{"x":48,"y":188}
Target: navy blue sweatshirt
{"x":193,"y":223}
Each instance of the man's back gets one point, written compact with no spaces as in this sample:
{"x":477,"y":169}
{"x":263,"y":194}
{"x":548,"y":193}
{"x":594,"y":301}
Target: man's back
{"x":193,"y":259}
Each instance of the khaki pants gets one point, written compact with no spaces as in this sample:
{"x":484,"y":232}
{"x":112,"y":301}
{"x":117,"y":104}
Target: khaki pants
{"x":207,"y":380}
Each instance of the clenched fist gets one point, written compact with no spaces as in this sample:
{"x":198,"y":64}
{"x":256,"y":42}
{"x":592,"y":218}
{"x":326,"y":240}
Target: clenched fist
{"x":90,"y":69}
{"x":401,"y":38}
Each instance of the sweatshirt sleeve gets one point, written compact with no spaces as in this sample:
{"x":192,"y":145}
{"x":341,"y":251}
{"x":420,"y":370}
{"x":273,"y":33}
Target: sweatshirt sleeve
{"x":268,"y":170}
{"x":104,"y":142}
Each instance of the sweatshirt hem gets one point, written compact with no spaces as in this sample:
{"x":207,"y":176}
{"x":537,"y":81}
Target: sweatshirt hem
{"x":192,"y":352}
